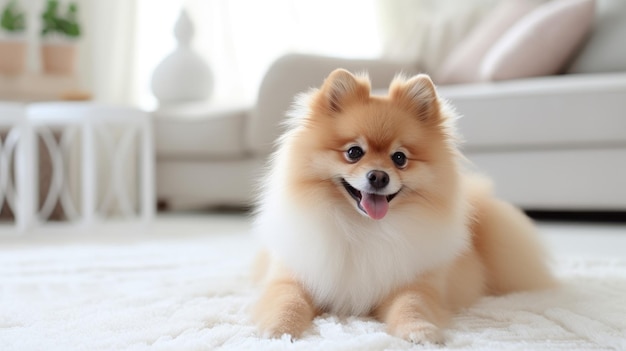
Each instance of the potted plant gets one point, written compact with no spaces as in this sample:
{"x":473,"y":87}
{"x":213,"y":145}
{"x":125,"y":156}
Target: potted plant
{"x":12,"y":42}
{"x":60,"y":33}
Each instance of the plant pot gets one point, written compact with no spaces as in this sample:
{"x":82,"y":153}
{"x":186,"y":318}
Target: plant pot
{"x":58,"y":58}
{"x":12,"y":57}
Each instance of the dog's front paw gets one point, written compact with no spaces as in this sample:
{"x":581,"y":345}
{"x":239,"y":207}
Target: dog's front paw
{"x":419,"y":332}
{"x":278,"y":329}
{"x":285,"y":311}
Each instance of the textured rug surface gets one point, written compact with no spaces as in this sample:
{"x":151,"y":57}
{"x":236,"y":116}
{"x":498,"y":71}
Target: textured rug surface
{"x":192,"y":293}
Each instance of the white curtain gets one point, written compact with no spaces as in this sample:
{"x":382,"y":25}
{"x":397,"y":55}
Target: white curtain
{"x":124,"y":40}
{"x":108,"y":49}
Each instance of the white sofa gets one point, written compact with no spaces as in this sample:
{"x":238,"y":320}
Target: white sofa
{"x":550,"y":143}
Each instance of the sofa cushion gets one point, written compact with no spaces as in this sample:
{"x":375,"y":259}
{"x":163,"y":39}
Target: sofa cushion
{"x":542,"y":113}
{"x":463,"y":63}
{"x":605,"y":51}
{"x":199,"y":131}
{"x":541,"y":43}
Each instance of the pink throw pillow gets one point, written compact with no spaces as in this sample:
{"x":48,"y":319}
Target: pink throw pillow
{"x":463,"y":64}
{"x":541,"y":43}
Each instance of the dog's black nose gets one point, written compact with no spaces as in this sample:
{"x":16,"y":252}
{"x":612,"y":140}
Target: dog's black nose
{"x":378,"y":179}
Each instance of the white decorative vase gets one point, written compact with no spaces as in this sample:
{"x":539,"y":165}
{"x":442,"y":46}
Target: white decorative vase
{"x":182,"y":76}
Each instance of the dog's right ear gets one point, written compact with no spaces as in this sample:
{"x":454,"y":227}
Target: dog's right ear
{"x":340,"y":89}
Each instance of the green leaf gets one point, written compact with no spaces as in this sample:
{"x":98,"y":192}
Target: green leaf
{"x":53,"y":22}
{"x":13,"y":19}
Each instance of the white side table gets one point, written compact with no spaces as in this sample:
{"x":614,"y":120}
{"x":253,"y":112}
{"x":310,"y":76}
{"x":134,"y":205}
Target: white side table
{"x":12,"y":121}
{"x":108,"y":139}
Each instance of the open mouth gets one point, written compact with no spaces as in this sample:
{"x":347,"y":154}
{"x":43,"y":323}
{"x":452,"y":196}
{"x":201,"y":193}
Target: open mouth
{"x":374,"y":205}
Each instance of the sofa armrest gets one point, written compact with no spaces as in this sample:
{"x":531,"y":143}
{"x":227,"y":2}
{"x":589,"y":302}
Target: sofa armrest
{"x":564,"y":111}
{"x":295,"y":73}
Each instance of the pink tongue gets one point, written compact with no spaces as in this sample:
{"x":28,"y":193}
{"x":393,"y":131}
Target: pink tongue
{"x":376,"y":206}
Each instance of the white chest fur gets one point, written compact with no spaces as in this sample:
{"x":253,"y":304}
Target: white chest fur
{"x":350,"y":263}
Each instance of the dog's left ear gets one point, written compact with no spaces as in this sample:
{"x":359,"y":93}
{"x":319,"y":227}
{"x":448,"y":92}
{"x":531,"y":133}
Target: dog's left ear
{"x":340,"y":89}
{"x":418,"y":94}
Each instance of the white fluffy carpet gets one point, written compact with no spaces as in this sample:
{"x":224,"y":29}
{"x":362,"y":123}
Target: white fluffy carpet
{"x":191,"y":292}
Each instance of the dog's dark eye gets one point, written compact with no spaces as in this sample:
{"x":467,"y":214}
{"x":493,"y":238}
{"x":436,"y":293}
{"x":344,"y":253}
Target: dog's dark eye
{"x":354,"y":153}
{"x":399,"y":159}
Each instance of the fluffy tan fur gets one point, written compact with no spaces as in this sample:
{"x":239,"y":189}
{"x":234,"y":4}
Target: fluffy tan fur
{"x":500,"y":253}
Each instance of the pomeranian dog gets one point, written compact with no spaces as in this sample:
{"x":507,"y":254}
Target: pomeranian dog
{"x":367,"y":211}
